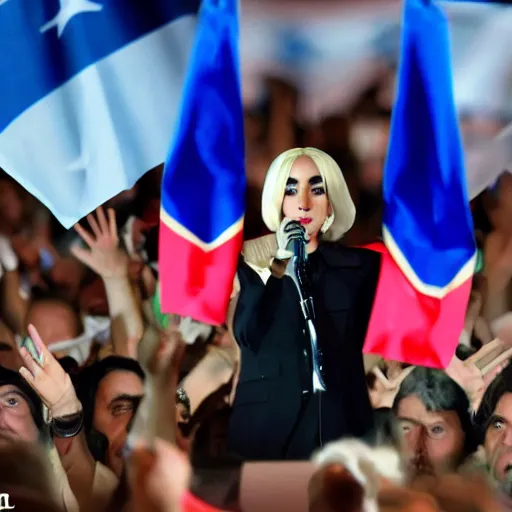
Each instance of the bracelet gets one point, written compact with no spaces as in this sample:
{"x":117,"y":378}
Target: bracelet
{"x":68,"y":426}
{"x":183,"y":399}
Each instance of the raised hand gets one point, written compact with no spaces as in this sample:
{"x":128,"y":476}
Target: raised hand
{"x":104,"y":255}
{"x":473,"y":379}
{"x":48,"y":379}
{"x":384,"y":391}
{"x":288,"y":231}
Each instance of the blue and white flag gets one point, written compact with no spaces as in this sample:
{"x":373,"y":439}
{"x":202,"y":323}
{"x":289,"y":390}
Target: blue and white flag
{"x":90,"y":91}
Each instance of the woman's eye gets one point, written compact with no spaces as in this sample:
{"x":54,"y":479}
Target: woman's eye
{"x":11,"y":402}
{"x":290,"y":192}
{"x":320,"y":191}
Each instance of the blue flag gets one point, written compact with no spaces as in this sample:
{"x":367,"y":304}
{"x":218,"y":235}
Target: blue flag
{"x":90,"y":93}
{"x":427,"y":270}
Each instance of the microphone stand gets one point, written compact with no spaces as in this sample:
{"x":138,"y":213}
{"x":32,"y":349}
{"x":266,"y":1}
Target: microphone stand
{"x":297,"y":270}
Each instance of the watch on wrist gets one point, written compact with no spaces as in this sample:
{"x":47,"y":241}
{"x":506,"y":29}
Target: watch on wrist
{"x":68,"y":426}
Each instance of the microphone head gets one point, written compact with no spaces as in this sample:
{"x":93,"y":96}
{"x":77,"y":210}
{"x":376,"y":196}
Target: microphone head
{"x":295,"y":226}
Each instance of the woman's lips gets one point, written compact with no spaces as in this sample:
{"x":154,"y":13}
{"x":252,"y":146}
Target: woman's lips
{"x":305,"y":221}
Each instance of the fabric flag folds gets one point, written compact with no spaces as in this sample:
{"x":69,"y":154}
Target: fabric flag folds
{"x":203,"y":188}
{"x":90,"y":93}
{"x":427,"y":270}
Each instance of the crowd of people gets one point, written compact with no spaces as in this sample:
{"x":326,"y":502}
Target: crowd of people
{"x":106,"y":403}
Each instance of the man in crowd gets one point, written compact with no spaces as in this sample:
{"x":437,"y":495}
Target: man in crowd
{"x":494,"y":420}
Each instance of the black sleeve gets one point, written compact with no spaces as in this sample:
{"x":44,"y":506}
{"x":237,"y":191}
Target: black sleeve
{"x":257,"y":306}
{"x":367,"y":290}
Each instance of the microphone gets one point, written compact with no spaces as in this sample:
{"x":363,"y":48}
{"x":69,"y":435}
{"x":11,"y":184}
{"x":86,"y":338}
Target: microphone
{"x":297,"y":269}
{"x":299,"y":245}
{"x":299,"y":263}
{"x":298,"y":237}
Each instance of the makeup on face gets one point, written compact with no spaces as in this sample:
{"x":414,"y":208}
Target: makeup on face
{"x":316,"y":188}
{"x":305,"y":198}
{"x":315,"y":182}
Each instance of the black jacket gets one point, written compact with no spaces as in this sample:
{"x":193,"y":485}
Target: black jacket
{"x":275,"y":416}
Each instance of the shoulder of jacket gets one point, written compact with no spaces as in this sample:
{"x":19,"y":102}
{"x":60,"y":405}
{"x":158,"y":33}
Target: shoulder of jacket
{"x":259,"y":251}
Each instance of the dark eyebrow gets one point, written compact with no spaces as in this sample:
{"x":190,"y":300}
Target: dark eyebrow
{"x":5,"y":347}
{"x":494,"y":418}
{"x":125,"y":398}
{"x":314,"y":180}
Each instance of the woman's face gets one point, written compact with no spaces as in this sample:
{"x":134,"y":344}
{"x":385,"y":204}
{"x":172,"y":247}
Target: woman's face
{"x":434,"y":441}
{"x":305,"y":197}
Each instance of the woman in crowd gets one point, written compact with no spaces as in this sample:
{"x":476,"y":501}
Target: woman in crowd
{"x":276,"y":414}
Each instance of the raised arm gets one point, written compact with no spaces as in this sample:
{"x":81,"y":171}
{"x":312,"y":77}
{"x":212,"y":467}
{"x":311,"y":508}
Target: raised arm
{"x":111,"y":263}
{"x":54,"y":387}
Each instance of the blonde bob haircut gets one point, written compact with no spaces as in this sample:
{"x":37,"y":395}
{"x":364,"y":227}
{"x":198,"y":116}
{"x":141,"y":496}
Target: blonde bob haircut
{"x":278,"y":173}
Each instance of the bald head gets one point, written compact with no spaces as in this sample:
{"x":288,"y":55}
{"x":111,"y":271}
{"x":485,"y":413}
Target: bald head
{"x":55,"y":320}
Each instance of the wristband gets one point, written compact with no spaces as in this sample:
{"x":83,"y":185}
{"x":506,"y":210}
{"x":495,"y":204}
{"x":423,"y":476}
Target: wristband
{"x":68,"y":426}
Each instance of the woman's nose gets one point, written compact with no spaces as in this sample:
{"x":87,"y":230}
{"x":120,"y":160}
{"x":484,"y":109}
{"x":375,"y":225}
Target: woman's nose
{"x":304,"y":204}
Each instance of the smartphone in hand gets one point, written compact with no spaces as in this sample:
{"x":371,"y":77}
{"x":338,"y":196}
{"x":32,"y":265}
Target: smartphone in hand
{"x":31,"y":348}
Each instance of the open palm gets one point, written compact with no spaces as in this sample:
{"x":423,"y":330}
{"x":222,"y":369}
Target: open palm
{"x":475,"y":380}
{"x":104,"y":255}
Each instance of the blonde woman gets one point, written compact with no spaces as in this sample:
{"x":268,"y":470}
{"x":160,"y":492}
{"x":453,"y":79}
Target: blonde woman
{"x":275,"y":413}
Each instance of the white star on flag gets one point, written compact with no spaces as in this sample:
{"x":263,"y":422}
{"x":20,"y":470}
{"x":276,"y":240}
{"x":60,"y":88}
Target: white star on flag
{"x":68,"y":9}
